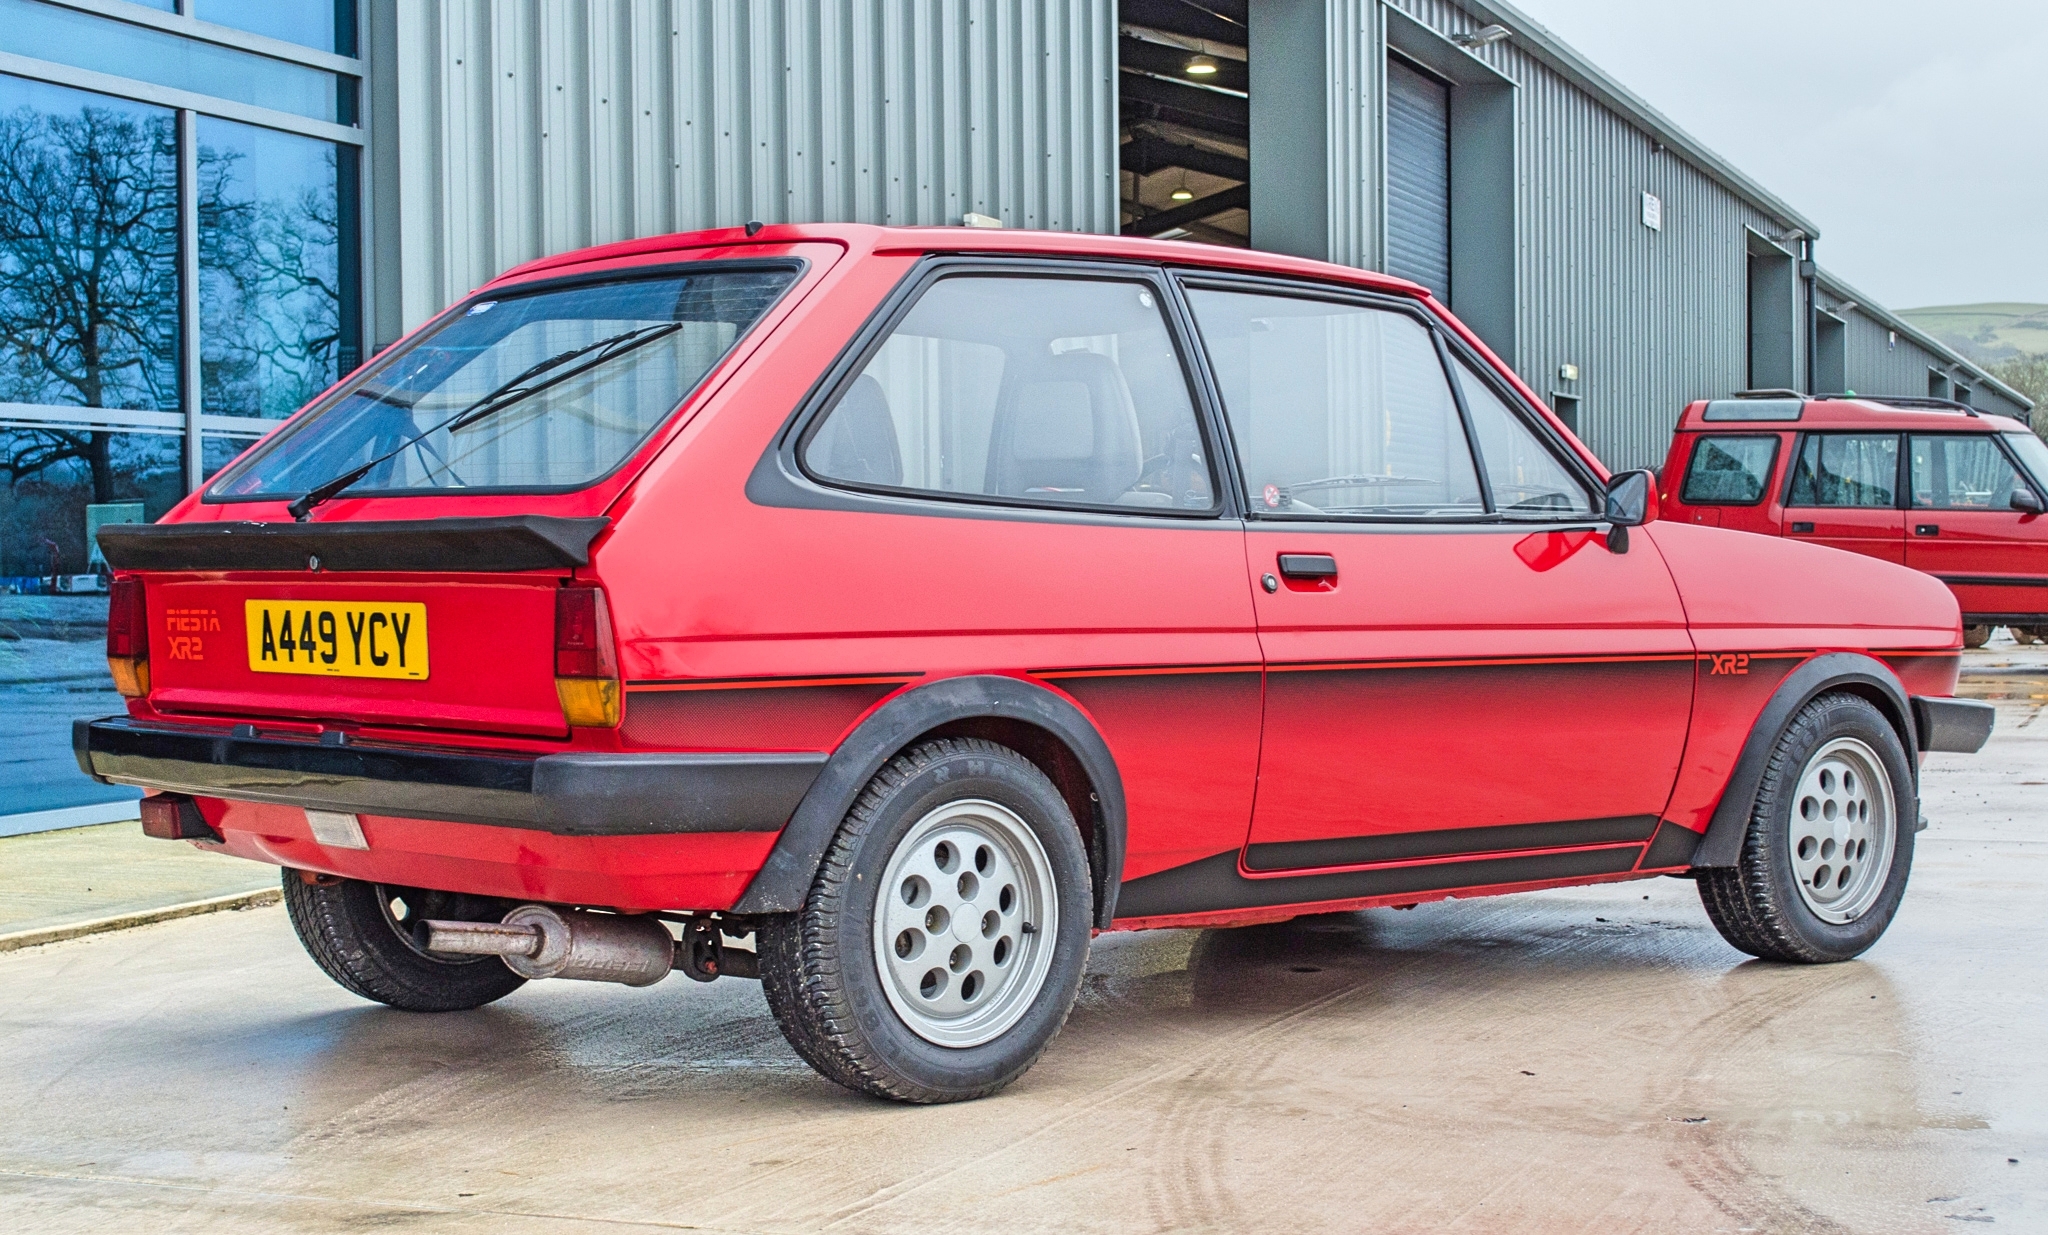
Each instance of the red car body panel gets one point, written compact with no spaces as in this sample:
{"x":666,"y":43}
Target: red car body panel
{"x":1454,"y":700}
{"x":1995,"y":561}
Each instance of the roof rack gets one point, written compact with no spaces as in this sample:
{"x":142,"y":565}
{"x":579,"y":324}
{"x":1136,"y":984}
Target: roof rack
{"x":1772,"y":392}
{"x":1909,"y":402}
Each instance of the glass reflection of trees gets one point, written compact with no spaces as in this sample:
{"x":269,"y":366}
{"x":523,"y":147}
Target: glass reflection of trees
{"x":89,"y":307}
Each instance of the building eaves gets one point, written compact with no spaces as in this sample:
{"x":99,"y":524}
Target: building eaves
{"x":1892,"y":321}
{"x":1554,"y":52}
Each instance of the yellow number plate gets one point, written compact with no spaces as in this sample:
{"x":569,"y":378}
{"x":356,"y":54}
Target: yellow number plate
{"x":339,"y":638}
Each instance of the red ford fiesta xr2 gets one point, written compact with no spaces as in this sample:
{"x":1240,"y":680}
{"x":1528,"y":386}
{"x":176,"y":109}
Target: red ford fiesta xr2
{"x":915,"y":603}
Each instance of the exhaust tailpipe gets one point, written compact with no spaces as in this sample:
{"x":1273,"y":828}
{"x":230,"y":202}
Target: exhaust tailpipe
{"x":535,"y":941}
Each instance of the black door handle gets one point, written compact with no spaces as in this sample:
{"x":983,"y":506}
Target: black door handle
{"x":1801,"y":526}
{"x":1308,"y":566}
{"x":1927,"y":529}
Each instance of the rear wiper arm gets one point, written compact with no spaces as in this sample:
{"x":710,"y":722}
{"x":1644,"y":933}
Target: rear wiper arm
{"x":504,"y":396}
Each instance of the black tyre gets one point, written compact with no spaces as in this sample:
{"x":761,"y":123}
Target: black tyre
{"x":360,"y":935}
{"x":1830,"y":840}
{"x":1976,"y":636}
{"x":943,"y":941}
{"x":2026,"y":635}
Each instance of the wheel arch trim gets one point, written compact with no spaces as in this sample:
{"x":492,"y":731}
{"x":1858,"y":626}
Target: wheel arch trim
{"x":1831,"y":671}
{"x":785,"y":877}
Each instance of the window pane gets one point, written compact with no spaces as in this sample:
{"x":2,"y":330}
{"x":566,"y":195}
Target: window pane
{"x":578,"y":377}
{"x":2033,"y":453}
{"x":1729,"y":471}
{"x":329,"y":25}
{"x":277,"y":264}
{"x":53,"y":618}
{"x":1846,"y":469}
{"x":1336,"y":408}
{"x":1056,"y":391}
{"x":87,"y":41}
{"x":1526,"y":478}
{"x":88,"y":250}
{"x":1962,"y":472}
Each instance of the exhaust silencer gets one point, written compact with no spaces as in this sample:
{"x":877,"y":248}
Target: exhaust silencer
{"x":538,"y":942}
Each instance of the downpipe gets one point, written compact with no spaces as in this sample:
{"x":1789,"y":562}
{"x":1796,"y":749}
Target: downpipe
{"x":536,"y":941}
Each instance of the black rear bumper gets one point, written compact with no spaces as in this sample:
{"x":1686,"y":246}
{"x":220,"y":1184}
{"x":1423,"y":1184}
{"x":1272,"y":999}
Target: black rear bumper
{"x":567,"y":794}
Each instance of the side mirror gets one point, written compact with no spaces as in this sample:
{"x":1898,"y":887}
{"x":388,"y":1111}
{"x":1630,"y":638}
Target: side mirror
{"x":1631,"y":499}
{"x":2026,"y":500}
{"x":1631,"y":502}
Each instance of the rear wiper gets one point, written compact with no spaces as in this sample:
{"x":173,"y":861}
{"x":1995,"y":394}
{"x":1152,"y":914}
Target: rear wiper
{"x":498,"y":400}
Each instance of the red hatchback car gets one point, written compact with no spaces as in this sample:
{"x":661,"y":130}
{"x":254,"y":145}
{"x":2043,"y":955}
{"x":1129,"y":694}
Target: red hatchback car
{"x":1930,"y":484}
{"x":916,"y":603}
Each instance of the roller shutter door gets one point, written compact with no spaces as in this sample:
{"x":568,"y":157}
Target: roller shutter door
{"x":1418,"y":178}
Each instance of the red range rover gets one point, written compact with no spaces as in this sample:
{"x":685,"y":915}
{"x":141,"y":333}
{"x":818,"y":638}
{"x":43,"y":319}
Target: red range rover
{"x":1930,"y":484}
{"x":881,"y":613}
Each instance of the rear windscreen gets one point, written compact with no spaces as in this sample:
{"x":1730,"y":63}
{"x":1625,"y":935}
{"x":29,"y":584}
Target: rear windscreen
{"x":1729,"y":471}
{"x":524,"y":391}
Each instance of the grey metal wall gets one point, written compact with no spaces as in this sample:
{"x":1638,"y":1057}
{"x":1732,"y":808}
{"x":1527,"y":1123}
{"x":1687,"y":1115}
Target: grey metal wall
{"x":1653,"y":319}
{"x":1882,"y":362}
{"x":505,"y":130}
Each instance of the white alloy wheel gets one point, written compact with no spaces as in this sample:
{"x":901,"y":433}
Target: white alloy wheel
{"x":965,"y":923}
{"x":1844,"y":824}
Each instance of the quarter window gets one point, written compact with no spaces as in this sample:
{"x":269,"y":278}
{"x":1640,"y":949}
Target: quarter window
{"x":1846,"y":469}
{"x":1729,"y":471}
{"x":1337,"y":409}
{"x":1526,"y":478}
{"x":1962,"y":472}
{"x":1025,"y":390}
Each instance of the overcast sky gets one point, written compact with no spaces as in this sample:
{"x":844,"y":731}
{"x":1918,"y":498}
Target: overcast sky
{"x":1914,"y":134}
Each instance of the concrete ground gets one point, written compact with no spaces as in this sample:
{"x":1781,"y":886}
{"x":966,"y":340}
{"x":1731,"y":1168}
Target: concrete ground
{"x":1589,"y":1060}
{"x":49,"y":879}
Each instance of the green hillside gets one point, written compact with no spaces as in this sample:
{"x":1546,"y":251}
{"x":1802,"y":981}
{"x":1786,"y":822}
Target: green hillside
{"x":1986,"y":333}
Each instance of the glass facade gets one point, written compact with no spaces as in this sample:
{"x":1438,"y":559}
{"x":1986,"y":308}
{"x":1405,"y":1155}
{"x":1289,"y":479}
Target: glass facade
{"x":163,"y":269}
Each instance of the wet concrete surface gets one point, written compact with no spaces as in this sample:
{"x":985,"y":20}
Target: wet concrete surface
{"x":1587,"y":1060}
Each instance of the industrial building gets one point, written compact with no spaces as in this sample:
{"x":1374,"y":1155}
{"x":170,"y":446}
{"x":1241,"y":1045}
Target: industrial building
{"x":401,"y":154}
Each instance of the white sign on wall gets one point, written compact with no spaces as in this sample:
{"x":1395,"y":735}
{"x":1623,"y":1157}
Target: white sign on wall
{"x":1653,"y":212}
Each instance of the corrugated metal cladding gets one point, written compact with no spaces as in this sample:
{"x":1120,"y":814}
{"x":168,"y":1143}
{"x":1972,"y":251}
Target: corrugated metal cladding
{"x":529,"y":127}
{"x":1652,"y":319}
{"x":1878,"y":365}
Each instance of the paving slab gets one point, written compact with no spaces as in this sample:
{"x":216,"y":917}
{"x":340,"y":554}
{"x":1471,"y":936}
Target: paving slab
{"x":57,"y":879}
{"x":1592,"y":1060}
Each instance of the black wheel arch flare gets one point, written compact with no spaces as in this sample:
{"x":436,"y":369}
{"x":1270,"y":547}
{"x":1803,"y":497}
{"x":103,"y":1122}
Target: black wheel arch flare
{"x":1851,"y":672}
{"x":1012,"y":711}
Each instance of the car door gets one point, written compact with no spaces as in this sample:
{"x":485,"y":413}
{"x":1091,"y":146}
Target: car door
{"x":1844,"y":493}
{"x":1457,"y":663}
{"x":1964,"y":530}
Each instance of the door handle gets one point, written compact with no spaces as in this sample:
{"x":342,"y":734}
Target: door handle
{"x":1927,"y":529}
{"x":1801,"y":526}
{"x":1308,"y":566}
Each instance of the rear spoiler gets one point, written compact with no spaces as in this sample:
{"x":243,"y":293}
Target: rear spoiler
{"x":513,"y":542}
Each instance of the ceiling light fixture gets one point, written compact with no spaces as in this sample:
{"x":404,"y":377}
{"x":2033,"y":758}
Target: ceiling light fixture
{"x":1485,"y":36}
{"x":1201,"y":66}
{"x":1183,"y":193}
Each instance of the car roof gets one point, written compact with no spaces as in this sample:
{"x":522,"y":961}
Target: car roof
{"x":865,"y":239}
{"x":1791,"y":412}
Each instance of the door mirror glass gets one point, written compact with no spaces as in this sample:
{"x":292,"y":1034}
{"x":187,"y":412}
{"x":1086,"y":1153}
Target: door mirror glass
{"x":2027,"y":500}
{"x":1630,"y":499}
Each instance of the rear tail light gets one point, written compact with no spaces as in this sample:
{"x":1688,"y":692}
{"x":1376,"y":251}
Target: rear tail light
{"x":174,"y":816}
{"x":586,"y":668}
{"x":128,"y":638}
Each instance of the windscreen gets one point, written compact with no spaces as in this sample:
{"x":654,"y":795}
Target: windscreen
{"x":549,"y":389}
{"x":2033,"y":455}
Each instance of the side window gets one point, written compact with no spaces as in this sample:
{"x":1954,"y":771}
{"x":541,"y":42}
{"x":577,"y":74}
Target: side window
{"x":1041,"y":391}
{"x":1525,"y":476}
{"x":1336,"y":408}
{"x":1846,"y":469}
{"x":1729,"y":471}
{"x":1962,"y":472}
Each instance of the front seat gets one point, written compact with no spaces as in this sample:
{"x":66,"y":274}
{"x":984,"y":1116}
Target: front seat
{"x":1066,"y":428}
{"x":858,"y":440}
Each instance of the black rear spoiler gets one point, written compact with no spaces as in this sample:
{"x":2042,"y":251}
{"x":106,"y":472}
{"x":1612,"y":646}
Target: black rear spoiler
{"x":513,"y":542}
